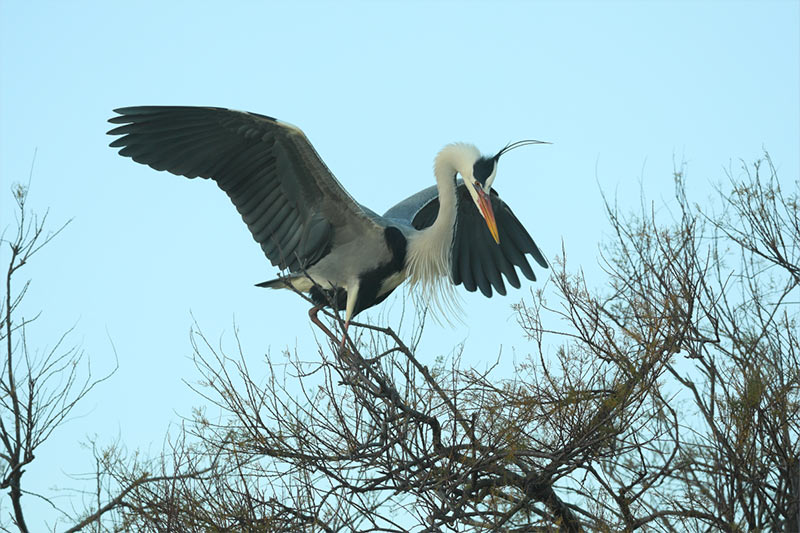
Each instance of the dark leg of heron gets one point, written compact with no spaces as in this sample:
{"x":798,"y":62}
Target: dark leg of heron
{"x":312,"y":314}
{"x":344,"y":335}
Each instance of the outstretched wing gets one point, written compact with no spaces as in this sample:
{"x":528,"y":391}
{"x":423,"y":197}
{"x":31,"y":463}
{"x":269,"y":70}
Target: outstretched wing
{"x":477,"y":261}
{"x":288,"y":198}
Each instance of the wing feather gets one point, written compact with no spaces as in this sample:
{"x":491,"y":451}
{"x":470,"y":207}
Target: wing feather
{"x":491,"y":267}
{"x":288,"y":198}
{"x":477,"y":262}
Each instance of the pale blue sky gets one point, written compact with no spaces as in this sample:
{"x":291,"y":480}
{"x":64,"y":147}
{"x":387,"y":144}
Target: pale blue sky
{"x":622,"y":89}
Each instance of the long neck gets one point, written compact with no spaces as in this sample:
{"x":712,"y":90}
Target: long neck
{"x":429,"y":249}
{"x":440,"y":233}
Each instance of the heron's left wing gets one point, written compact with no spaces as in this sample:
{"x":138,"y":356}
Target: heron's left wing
{"x":292,"y":204}
{"x":477,"y":261}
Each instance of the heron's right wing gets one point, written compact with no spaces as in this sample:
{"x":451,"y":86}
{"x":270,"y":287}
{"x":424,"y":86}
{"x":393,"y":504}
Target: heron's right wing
{"x":477,"y":261}
{"x":288,"y":198}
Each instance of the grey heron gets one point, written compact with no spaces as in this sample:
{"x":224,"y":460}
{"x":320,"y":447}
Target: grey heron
{"x":339,"y":252}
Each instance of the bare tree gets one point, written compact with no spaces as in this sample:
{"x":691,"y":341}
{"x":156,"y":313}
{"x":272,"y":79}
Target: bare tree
{"x":665,"y":399}
{"x":40,"y":387}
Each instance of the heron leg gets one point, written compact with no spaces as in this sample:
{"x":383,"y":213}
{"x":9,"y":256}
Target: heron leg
{"x":312,"y":314}
{"x":344,"y":335}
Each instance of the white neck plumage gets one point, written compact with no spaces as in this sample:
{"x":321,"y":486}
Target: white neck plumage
{"x":428,"y":260}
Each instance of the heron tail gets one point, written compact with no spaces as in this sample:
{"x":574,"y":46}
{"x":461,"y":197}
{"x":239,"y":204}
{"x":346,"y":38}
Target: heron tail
{"x":277,"y":283}
{"x":299,"y":282}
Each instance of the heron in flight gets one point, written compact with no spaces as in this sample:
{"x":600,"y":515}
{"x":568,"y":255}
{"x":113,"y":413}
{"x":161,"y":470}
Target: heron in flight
{"x":339,"y":252}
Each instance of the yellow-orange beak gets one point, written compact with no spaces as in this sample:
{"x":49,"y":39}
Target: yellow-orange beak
{"x":485,"y":205}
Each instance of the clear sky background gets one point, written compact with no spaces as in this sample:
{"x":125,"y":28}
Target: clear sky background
{"x":624,"y":90}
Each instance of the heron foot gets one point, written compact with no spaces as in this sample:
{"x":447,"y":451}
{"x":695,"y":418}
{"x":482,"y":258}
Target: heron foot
{"x":312,"y":314}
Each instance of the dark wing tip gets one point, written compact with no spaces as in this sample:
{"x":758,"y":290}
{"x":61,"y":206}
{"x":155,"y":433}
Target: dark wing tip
{"x":132,"y":114}
{"x":537,"y":255}
{"x":126,"y":114}
{"x":133,"y":110}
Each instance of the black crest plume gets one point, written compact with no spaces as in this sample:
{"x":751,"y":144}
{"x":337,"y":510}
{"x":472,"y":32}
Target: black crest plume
{"x":511,"y":146}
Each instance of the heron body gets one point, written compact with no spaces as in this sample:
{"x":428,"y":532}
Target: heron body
{"x":336,"y":283}
{"x":340,"y":252}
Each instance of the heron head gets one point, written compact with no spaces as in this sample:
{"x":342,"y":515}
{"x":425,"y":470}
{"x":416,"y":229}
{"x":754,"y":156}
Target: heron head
{"x":479,"y":183}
